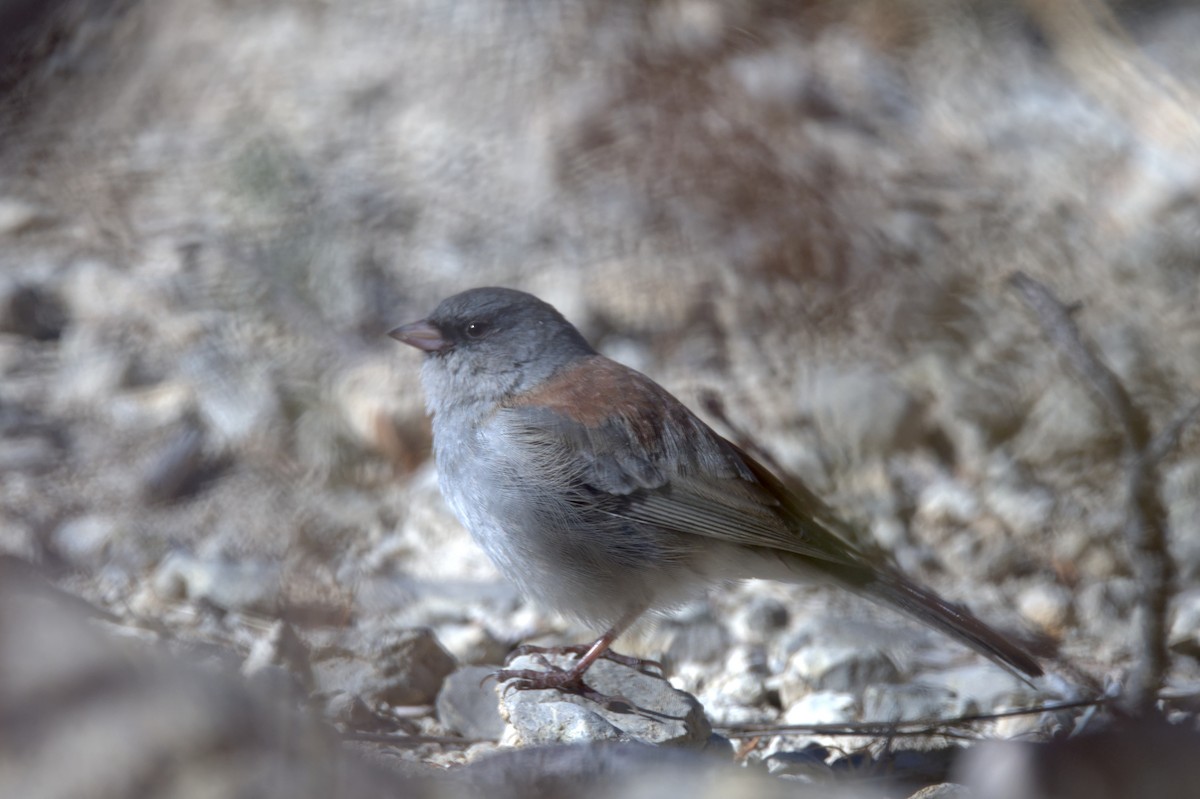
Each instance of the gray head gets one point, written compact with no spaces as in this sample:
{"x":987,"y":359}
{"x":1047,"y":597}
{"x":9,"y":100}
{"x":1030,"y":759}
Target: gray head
{"x":485,"y":344}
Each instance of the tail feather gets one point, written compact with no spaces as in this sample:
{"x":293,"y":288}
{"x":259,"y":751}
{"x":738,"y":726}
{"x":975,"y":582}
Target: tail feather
{"x":953,"y":620}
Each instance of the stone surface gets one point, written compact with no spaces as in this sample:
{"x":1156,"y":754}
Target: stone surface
{"x":225,"y":582}
{"x":85,"y":540}
{"x":642,"y":708}
{"x":842,"y":667}
{"x":1047,"y":606}
{"x":398,"y":667}
{"x":467,"y":704}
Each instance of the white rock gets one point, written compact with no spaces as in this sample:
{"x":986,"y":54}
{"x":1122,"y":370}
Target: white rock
{"x":947,"y":500}
{"x":229,"y":584}
{"x":841,"y":667}
{"x":821,"y":707}
{"x":1046,"y":605}
{"x":85,"y":540}
{"x":17,"y":216}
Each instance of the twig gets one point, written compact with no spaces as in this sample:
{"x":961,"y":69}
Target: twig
{"x":913,"y":727}
{"x":1145,"y":516}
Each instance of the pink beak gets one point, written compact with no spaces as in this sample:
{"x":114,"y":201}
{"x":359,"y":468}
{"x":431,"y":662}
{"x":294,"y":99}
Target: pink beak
{"x":422,"y":335}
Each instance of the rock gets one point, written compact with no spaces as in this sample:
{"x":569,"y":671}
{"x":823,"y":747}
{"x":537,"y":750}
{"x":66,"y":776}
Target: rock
{"x":228,"y":584}
{"x":92,"y":371}
{"x":760,"y":619}
{"x":18,"y":216}
{"x":467,"y":704}
{"x":702,"y":641}
{"x":280,"y":648}
{"x":1184,"y":637}
{"x":974,"y":687}
{"x":30,"y":311}
{"x":379,"y":406}
{"x":947,"y":500}
{"x":1024,"y":507}
{"x":608,"y":770}
{"x":739,"y":687}
{"x":820,"y":707}
{"x":536,"y":723}
{"x":1105,"y":606}
{"x":472,"y":644}
{"x":807,"y":764}
{"x":400,"y":667}
{"x":32,"y":453}
{"x":178,"y":468}
{"x":160,"y":405}
{"x":238,"y":402}
{"x":646,"y":709}
{"x":831,"y":666}
{"x":85,"y":541}
{"x":1048,"y":606}
{"x":906,"y":702}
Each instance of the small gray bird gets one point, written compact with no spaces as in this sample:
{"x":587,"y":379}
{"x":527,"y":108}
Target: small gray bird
{"x":602,"y":496}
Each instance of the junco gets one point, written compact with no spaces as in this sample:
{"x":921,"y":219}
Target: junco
{"x":603,"y":497}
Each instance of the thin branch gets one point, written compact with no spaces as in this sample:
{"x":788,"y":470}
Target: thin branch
{"x":1145,"y":515}
{"x":913,"y":727}
{"x":1060,"y":328}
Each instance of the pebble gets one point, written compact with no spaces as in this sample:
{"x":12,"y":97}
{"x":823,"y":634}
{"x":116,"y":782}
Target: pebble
{"x":243,"y":584}
{"x":177,"y":468}
{"x":837,"y":667}
{"x":280,"y":648}
{"x":404,"y":671}
{"x":806,"y":765}
{"x":759,"y":620}
{"x":906,"y":702}
{"x":702,"y":641}
{"x":468,"y":706}
{"x":472,"y":643}
{"x":30,"y":311}
{"x":947,"y":500}
{"x":1048,"y":606}
{"x":18,"y":216}
{"x":973,"y":686}
{"x":1184,"y":636}
{"x":85,"y":540}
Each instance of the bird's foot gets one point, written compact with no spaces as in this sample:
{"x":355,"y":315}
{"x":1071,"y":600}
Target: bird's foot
{"x":554,"y":678}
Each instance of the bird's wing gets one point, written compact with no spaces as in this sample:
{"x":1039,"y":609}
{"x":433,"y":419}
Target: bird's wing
{"x":647,"y":458}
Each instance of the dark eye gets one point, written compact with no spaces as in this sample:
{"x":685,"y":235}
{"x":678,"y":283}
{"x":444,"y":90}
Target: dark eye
{"x":476,"y":329}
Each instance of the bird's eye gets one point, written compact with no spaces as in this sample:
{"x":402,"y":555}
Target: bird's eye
{"x":476,"y":329}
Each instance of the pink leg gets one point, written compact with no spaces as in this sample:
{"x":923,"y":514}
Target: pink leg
{"x":571,"y":680}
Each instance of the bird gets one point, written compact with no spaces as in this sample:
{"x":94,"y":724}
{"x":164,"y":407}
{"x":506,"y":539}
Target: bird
{"x":602,"y":496}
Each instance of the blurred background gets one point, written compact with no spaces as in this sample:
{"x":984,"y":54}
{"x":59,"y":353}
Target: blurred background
{"x":212,"y":212}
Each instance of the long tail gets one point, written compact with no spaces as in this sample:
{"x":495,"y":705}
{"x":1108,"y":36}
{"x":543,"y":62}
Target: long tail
{"x":820,"y":550}
{"x":953,"y":620}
